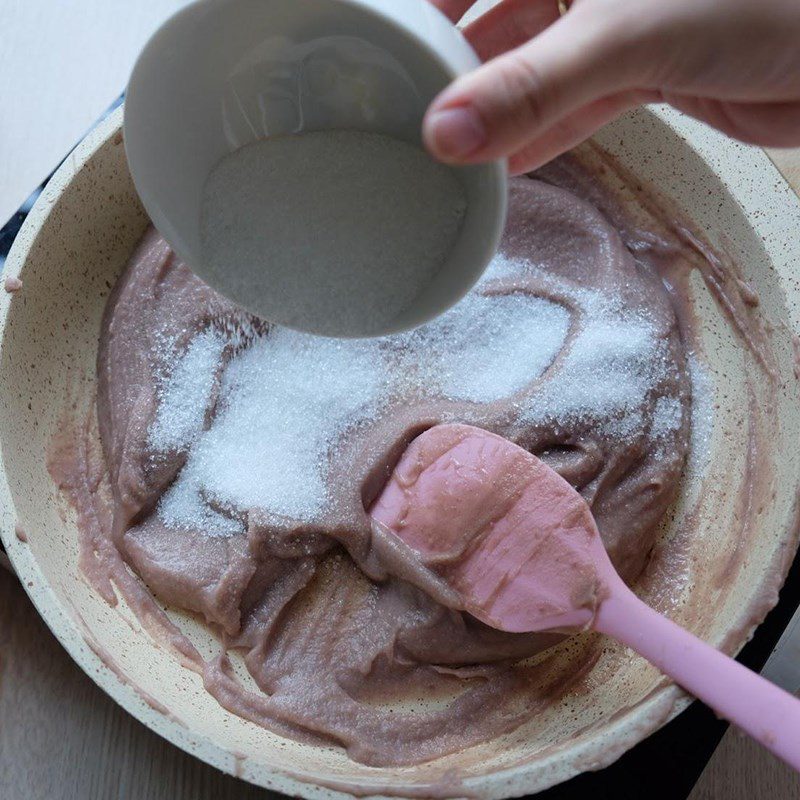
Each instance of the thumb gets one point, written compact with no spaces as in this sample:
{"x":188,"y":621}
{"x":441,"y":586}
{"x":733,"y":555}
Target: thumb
{"x":495,"y":110}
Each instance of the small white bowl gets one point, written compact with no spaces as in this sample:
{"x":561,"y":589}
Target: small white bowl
{"x":221,"y":74}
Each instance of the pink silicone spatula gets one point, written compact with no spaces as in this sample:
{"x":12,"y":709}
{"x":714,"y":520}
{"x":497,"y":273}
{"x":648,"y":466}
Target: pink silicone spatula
{"x":521,"y":550}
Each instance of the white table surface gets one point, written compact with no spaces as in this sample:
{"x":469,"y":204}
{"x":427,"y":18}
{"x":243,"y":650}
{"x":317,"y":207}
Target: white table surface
{"x":62,"y":63}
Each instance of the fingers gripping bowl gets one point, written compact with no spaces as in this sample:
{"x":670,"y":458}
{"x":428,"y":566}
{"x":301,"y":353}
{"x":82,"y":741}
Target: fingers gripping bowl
{"x":732,"y":545}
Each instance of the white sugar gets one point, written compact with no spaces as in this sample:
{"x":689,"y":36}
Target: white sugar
{"x":667,"y":417}
{"x":183,"y":395}
{"x":284,"y":401}
{"x":333,"y":232}
{"x":489,"y":347}
{"x":611,"y":366}
{"x":288,"y":399}
{"x":186,"y":504}
{"x":502,"y":267}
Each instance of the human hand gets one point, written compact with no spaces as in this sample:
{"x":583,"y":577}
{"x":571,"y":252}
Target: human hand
{"x":550,"y":82}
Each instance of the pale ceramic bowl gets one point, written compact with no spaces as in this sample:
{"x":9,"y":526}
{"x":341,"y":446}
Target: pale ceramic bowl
{"x":68,"y":255}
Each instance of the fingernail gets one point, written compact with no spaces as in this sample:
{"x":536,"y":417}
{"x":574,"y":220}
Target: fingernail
{"x":455,"y":133}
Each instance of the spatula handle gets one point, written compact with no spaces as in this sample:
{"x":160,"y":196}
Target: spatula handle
{"x":761,"y":709}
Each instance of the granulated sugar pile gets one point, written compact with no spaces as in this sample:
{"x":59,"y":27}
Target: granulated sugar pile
{"x":332,"y":232}
{"x":181,"y":412}
{"x":608,"y":372}
{"x":288,"y":399}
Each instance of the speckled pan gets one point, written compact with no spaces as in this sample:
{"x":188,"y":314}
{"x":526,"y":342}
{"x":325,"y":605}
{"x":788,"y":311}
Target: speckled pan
{"x":68,"y":255}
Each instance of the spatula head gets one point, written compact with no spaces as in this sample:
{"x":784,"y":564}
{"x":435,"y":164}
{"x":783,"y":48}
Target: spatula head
{"x":516,"y":542}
